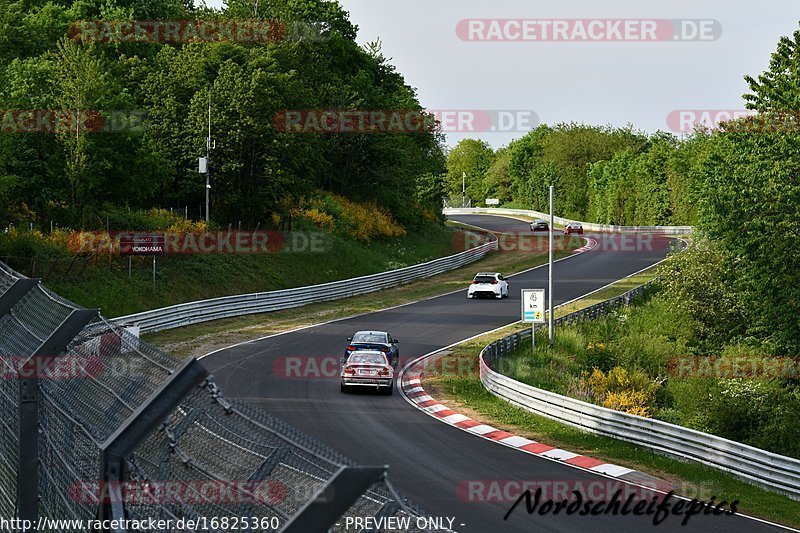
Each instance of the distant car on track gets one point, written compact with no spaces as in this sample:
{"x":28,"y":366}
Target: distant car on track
{"x":573,"y":227}
{"x":539,"y":225}
{"x":374,"y":340}
{"x":488,"y":284}
{"x":369,"y":369}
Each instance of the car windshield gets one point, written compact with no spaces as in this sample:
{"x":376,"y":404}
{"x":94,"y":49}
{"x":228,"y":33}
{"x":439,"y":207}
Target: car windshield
{"x":369,"y":337}
{"x":367,"y":357}
{"x":484,"y":279}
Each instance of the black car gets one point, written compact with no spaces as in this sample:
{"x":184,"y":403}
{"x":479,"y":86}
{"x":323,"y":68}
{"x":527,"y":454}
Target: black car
{"x":374,"y":340}
{"x":539,"y":225}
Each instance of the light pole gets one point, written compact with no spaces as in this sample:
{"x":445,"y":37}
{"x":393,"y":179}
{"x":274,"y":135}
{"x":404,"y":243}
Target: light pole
{"x":463,"y":189}
{"x":550,"y":274}
{"x":208,"y":155}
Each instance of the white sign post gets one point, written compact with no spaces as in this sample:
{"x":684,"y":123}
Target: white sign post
{"x":533,"y":307}
{"x":492,"y":201}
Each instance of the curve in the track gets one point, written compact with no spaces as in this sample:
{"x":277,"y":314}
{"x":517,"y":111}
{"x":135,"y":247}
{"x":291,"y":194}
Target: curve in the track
{"x":429,"y":461}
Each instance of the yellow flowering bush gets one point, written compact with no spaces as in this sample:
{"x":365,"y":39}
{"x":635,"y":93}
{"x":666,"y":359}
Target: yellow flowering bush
{"x":318,"y":218}
{"x":361,"y":221}
{"x":631,"y":401}
{"x":631,"y":392}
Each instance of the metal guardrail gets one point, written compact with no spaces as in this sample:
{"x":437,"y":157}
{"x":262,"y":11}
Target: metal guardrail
{"x":262,"y":302}
{"x":776,"y":472}
{"x":589,"y":226}
{"x":97,"y":424}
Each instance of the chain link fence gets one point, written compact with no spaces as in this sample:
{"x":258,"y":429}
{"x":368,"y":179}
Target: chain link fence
{"x":96,"y":423}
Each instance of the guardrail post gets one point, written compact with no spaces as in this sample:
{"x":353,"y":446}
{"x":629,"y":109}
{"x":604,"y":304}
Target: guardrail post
{"x":28,"y":451}
{"x":15,"y":293}
{"x":389,"y":509}
{"x":337,"y":496}
{"x":135,"y":429}
{"x":262,"y":473}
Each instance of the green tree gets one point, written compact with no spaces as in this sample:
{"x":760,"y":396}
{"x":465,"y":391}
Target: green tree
{"x":473,"y":158}
{"x":749,"y":207}
{"x":777,"y":88}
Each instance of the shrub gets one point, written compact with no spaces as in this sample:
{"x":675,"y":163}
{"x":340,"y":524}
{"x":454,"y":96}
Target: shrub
{"x":630,"y":392}
{"x":691,"y":399}
{"x":360,"y":221}
{"x":630,"y":401}
{"x":740,"y":408}
{"x":696,"y":286}
{"x":318,"y":218}
{"x":33,"y":244}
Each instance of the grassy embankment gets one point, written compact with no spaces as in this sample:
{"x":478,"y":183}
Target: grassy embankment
{"x":184,"y":278}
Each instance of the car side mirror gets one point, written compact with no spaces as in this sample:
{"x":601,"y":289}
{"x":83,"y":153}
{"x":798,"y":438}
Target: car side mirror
{"x":396,"y":341}
{"x":349,"y":339}
{"x":342,"y":361}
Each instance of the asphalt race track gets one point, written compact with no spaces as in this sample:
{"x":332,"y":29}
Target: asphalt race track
{"x":428,"y":459}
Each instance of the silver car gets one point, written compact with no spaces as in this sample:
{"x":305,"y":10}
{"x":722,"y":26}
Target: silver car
{"x":539,"y":225}
{"x":369,"y":369}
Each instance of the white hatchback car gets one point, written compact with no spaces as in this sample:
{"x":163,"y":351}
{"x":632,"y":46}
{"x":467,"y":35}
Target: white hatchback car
{"x":488,"y":284}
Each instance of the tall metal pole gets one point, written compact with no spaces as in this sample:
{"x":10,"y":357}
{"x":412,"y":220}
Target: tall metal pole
{"x":208,"y":155}
{"x":550,"y":273}
{"x":463,"y":189}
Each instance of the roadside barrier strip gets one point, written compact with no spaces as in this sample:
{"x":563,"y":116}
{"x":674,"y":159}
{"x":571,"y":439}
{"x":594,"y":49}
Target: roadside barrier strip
{"x":591,"y":243}
{"x":413,"y":389}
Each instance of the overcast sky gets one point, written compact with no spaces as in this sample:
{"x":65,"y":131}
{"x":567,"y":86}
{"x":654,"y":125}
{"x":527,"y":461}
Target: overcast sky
{"x":592,"y":82}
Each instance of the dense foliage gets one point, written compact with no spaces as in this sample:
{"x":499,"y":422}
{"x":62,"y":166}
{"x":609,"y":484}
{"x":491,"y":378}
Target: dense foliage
{"x":601,"y":174}
{"x":76,"y":177}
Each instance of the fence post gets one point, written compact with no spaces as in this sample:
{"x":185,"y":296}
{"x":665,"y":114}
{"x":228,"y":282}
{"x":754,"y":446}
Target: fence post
{"x":28,"y":473}
{"x":337,"y":496}
{"x":15,"y":293}
{"x":135,"y":429}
